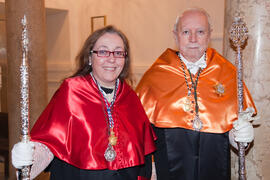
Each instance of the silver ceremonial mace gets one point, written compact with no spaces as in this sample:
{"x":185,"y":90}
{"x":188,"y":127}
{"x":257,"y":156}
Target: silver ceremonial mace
{"x":238,"y":36}
{"x":25,"y":172}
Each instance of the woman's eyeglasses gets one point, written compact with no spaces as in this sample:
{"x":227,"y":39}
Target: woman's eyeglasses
{"x":105,"y":53}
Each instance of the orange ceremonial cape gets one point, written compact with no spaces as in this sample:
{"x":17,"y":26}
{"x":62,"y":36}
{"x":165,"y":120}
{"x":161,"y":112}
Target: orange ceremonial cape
{"x":163,"y":93}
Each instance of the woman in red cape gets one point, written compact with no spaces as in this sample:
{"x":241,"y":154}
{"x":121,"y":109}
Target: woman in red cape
{"x":94,"y":126}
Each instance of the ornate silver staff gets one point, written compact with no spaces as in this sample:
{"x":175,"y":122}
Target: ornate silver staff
{"x":25,"y":172}
{"x":238,"y":36}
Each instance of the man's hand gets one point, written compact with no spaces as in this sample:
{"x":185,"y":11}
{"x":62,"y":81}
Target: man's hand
{"x":242,"y":128}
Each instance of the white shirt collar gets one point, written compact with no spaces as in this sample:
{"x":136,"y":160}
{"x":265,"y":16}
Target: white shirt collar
{"x":194,"y":67}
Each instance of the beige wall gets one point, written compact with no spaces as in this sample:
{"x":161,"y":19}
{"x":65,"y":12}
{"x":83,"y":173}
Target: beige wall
{"x":147,"y":24}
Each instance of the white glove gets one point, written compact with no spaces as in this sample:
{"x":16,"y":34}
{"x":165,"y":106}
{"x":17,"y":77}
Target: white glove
{"x":242,"y":128}
{"x":22,"y":154}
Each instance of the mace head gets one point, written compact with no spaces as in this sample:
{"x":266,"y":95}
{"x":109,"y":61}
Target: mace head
{"x":238,"y":31}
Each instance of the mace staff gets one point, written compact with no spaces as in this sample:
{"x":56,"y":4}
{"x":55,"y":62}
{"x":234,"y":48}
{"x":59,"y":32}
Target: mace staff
{"x":238,"y":36}
{"x":25,"y":171}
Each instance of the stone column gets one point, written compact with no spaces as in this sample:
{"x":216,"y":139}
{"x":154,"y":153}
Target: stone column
{"x":256,"y":63}
{"x":35,"y":14}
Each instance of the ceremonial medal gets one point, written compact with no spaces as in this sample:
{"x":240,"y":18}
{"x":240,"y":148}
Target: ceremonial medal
{"x":187,"y":105}
{"x":197,"y":123}
{"x":220,"y":89}
{"x":112,"y":138}
{"x":110,"y":153}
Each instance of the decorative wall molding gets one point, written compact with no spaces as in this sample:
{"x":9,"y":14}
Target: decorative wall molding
{"x":58,"y":71}
{"x":138,"y":71}
{"x":217,"y":37}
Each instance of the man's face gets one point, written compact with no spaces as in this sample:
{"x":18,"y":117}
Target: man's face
{"x":193,"y":35}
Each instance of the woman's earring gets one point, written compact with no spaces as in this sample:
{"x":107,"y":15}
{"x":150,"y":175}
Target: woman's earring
{"x":90,"y":62}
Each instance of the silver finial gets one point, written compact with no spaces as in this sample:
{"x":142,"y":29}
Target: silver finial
{"x":238,"y":31}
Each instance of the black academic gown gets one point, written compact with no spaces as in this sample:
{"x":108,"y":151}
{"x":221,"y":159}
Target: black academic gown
{"x":190,"y":155}
{"x":61,"y":170}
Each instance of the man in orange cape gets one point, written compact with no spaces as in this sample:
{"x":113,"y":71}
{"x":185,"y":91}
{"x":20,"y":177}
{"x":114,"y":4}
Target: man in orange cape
{"x":190,"y":97}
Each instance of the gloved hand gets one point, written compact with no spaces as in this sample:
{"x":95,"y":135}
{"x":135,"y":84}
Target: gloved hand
{"x":22,"y":154}
{"x":242,"y":128}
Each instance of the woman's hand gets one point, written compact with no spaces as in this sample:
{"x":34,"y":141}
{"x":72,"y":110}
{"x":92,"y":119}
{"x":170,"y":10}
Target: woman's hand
{"x":22,"y":154}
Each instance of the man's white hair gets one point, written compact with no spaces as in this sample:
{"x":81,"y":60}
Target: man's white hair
{"x":201,"y":10}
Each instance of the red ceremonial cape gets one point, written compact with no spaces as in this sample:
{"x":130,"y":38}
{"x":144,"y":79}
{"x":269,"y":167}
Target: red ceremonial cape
{"x":74,"y":128}
{"x":163,"y":93}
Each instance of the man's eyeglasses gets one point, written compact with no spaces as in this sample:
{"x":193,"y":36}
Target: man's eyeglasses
{"x":105,"y":53}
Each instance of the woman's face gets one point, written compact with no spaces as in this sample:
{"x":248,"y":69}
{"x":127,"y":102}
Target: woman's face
{"x":107,"y":69}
